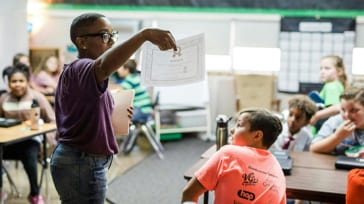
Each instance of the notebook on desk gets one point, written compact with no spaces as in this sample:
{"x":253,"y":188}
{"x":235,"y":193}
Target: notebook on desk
{"x":9,"y":122}
{"x":344,"y":162}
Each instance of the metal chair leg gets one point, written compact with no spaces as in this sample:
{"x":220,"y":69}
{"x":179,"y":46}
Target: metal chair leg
{"x":153,"y":141}
{"x":130,"y":141}
{"x":150,"y":130}
{"x":13,"y":187}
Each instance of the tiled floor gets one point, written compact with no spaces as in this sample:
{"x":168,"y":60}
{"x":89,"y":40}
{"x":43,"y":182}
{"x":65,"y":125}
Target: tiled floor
{"x":120,"y":164}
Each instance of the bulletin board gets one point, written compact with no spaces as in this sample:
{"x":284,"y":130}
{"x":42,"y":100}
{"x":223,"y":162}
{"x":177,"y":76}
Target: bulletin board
{"x":303,"y":41}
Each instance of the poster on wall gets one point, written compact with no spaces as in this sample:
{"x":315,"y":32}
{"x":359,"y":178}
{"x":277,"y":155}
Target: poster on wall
{"x":303,"y":41}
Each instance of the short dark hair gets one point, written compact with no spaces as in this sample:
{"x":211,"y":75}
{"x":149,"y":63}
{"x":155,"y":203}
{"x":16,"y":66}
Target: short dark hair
{"x":82,"y":21}
{"x":304,"y":104}
{"x":268,"y":123}
{"x":131,"y":65}
{"x":17,"y":56}
{"x":18,"y":68}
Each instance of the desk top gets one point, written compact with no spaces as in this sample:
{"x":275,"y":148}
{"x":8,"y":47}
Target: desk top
{"x":300,"y":159}
{"x":317,"y":184}
{"x":20,"y":132}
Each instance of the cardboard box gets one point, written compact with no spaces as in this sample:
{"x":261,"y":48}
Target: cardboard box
{"x":254,"y":90}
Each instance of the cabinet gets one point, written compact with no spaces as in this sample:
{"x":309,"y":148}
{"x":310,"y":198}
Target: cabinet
{"x":174,"y":125}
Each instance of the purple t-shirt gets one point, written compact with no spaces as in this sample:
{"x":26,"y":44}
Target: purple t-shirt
{"x":83,"y":110}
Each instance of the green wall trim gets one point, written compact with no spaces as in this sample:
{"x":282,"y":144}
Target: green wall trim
{"x":282,"y":12}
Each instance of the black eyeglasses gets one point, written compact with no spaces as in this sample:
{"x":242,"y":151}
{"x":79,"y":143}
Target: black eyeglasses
{"x":104,"y":36}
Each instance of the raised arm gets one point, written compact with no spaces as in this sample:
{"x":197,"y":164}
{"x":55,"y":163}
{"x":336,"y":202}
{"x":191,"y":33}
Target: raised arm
{"x":116,"y":56}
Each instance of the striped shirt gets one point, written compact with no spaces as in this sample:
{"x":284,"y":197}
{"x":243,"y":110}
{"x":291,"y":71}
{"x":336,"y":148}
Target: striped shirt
{"x":141,"y":98}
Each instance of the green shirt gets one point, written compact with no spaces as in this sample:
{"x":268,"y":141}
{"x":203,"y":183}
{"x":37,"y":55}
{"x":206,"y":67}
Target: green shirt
{"x":141,"y":98}
{"x":331,"y":92}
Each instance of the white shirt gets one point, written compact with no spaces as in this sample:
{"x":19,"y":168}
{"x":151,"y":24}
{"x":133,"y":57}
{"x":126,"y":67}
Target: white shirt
{"x":301,"y":142}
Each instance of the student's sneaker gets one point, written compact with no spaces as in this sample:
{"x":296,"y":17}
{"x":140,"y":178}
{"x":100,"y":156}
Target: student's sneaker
{"x":4,"y":196}
{"x":38,"y":199}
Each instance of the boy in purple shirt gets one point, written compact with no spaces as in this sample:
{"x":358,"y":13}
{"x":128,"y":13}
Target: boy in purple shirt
{"x":84,"y":105}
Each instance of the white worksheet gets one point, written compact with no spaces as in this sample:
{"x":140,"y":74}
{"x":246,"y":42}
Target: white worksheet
{"x":170,"y":68}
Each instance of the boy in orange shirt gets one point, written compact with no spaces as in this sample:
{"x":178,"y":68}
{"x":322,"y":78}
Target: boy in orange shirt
{"x":244,"y":172}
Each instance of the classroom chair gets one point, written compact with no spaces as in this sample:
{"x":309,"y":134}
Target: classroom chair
{"x":143,"y":128}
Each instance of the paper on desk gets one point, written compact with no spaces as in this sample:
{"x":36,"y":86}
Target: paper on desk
{"x":120,"y":120}
{"x":169,"y":68}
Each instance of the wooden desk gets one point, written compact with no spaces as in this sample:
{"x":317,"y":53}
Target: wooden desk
{"x":18,"y":133}
{"x":313,"y":177}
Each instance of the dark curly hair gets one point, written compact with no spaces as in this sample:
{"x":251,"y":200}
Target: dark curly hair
{"x":304,"y":104}
{"x":18,"y":68}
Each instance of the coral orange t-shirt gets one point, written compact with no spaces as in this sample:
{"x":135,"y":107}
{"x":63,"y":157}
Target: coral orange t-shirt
{"x":243,"y":175}
{"x":355,"y":186}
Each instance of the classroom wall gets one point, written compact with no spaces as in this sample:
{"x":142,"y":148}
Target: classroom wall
{"x":222,"y":30}
{"x":50,"y":29}
{"x":14,"y":34}
{"x":360,"y":31}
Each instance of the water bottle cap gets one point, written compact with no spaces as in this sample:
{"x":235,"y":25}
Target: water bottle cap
{"x":35,"y":104}
{"x":222,"y":120}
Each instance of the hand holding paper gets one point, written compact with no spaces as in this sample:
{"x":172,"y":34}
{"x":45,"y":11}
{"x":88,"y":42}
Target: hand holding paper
{"x":161,"y":38}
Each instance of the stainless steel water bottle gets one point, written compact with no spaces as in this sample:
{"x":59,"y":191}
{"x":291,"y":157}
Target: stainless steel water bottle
{"x":34,"y":115}
{"x":221,"y":131}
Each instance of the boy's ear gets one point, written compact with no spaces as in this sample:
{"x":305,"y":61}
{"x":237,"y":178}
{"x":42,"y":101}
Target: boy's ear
{"x":80,"y":43}
{"x":258,"y":135}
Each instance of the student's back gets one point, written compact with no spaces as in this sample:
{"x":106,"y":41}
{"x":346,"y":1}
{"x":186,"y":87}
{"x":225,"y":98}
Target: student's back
{"x":245,"y":171}
{"x":255,"y":177}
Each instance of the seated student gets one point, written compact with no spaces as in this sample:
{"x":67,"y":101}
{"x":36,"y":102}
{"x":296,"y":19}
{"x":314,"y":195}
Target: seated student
{"x":344,"y":130}
{"x":235,"y":170}
{"x":142,"y":103}
{"x":16,"y":104}
{"x":47,"y":73}
{"x":332,"y":74}
{"x":22,"y":58}
{"x":296,"y":135}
